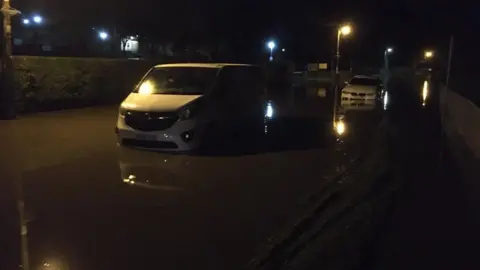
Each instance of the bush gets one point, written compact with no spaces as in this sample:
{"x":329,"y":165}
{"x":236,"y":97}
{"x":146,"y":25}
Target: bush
{"x":53,"y":83}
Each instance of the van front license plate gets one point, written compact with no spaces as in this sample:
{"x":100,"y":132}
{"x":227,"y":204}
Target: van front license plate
{"x":146,"y":137}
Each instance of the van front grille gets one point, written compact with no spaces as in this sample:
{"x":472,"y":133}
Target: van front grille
{"x":150,"y":121}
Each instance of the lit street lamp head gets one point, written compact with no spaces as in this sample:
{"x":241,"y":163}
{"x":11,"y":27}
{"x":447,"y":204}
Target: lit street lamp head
{"x":26,"y":21}
{"x":428,"y":54}
{"x":345,"y":30}
{"x":103,"y":35}
{"x":271,"y":45}
{"x":389,"y":50}
{"x":37,"y":19}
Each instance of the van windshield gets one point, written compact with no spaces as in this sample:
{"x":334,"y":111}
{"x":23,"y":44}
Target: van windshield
{"x":364,"y":81}
{"x":178,"y":81}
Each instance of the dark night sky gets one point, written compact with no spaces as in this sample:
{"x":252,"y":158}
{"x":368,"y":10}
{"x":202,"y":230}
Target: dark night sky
{"x":301,"y":26}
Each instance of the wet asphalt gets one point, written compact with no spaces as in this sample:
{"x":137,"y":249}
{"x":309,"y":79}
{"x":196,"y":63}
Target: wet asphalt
{"x":90,"y":204}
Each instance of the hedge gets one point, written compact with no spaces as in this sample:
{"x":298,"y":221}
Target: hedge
{"x":53,"y":83}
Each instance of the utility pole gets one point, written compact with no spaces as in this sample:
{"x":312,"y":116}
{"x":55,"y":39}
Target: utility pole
{"x":7,"y":94}
{"x":450,"y":54}
{"x":344,"y":30}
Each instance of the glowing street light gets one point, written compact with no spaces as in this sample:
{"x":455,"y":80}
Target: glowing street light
{"x":428,"y":54}
{"x":103,"y":35}
{"x":344,"y":30}
{"x":37,"y":19}
{"x":26,"y":21}
{"x":271,"y":45}
{"x":388,"y":51}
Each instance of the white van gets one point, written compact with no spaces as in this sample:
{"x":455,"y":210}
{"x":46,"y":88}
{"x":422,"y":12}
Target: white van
{"x":175,"y":105}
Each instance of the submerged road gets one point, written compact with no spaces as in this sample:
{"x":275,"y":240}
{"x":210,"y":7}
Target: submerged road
{"x":92,"y":205}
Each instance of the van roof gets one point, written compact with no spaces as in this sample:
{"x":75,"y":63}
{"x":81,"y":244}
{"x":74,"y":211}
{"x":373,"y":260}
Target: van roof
{"x":204,"y":65}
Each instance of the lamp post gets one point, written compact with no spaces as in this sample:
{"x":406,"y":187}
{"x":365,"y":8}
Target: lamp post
{"x":7,"y":94}
{"x":387,"y":51}
{"x":344,"y":30}
{"x":271,"y":45}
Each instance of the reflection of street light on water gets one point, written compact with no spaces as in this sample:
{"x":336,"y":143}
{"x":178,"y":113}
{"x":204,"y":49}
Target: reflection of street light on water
{"x":385,"y":100}
{"x":340,"y":127}
{"x":425,"y":93}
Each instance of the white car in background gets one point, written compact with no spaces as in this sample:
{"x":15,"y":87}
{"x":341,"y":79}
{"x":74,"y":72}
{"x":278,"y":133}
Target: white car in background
{"x":362,"y":88}
{"x":176,"y":106}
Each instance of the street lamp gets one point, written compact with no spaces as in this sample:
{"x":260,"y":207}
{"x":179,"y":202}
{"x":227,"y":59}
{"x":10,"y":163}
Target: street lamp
{"x":388,"y":51}
{"x":37,"y":19}
{"x":103,"y":35}
{"x":26,"y":21}
{"x":344,"y":30}
{"x":428,"y":54}
{"x":271,"y":45}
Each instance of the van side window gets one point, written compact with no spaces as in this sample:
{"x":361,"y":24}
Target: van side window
{"x":222,"y":87}
{"x":241,"y":81}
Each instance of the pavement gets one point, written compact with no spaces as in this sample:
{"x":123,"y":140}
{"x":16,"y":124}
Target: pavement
{"x":90,"y":204}
{"x":432,"y":223}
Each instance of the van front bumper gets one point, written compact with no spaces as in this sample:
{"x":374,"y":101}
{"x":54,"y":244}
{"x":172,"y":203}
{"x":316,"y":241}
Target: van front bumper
{"x":182,"y":136}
